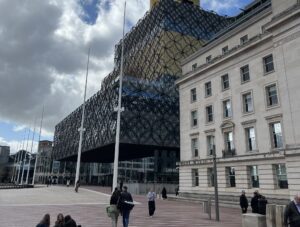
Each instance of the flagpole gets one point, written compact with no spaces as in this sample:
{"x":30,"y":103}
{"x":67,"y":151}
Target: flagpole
{"x":30,"y":155}
{"x":119,"y":109}
{"x":81,"y":129}
{"x":24,"y":159}
{"x":38,"y":149}
{"x":20,"y":156}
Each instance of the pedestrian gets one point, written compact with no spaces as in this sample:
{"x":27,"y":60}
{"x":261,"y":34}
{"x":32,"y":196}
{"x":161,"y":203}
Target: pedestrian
{"x":254,"y":202}
{"x":121,"y":185}
{"x":125,"y":205}
{"x":112,"y":210}
{"x":68,"y":182}
{"x":243,"y":202}
{"x":164,"y":193}
{"x":69,"y":222}
{"x":262,"y":205}
{"x":177,"y":190}
{"x":45,"y":222}
{"x":60,"y":222}
{"x":77,"y":185}
{"x":292,"y":212}
{"x":151,"y":202}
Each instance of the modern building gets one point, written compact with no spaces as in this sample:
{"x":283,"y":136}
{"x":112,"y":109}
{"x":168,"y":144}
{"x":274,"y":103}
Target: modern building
{"x":153,"y":49}
{"x":44,"y":161}
{"x":4,"y":157}
{"x":239,"y":97}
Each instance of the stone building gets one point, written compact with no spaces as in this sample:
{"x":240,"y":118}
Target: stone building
{"x":44,"y":161}
{"x":4,"y":157}
{"x":239,"y":96}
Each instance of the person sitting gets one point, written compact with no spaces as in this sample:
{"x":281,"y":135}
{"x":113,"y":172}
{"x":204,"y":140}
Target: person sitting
{"x":45,"y":222}
{"x":69,"y":222}
{"x":60,"y":222}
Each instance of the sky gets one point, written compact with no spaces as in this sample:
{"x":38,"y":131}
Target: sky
{"x":43,"y":55}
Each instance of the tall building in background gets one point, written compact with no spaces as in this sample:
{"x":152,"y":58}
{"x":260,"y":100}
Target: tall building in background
{"x":44,"y":161}
{"x":153,"y":51}
{"x":239,"y":96}
{"x":4,"y":157}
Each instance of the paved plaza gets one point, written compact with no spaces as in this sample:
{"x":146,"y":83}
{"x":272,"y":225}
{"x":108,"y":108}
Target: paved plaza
{"x":25,"y":208}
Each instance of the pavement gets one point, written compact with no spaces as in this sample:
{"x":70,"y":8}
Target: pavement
{"x":26,"y":207}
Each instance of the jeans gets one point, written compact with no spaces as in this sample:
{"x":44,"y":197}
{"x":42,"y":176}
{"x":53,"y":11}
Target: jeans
{"x":125,"y":214}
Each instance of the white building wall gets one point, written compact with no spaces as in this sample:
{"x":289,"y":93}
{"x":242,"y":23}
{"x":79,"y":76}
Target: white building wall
{"x":279,"y":36}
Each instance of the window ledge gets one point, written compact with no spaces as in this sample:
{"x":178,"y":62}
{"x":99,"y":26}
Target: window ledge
{"x":267,"y":73}
{"x":272,"y":107}
{"x":244,"y":82}
{"x":245,"y":114}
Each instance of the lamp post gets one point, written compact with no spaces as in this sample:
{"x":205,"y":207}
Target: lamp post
{"x":216,"y":184}
{"x":119,"y":109}
{"x":81,"y":129}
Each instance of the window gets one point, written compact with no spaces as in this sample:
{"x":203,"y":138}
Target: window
{"x":254,"y":176}
{"x":276,"y":135}
{"x":247,"y":103}
{"x":208,"y":59}
{"x":208,"y":89}
{"x":250,"y":135}
{"x":271,"y":94}
{"x":244,"y":39}
{"x":209,"y":114}
{"x":225,"y":82}
{"x":193,"y":95}
{"x":225,"y":50}
{"x":195,"y":178}
{"x":210,"y":144}
{"x":281,"y":176}
{"x":230,"y":176}
{"x":228,"y":138}
{"x":268,"y":64}
{"x":194,"y":117}
{"x":210,"y":177}
{"x":194,"y":144}
{"x":245,"y":75}
{"x":194,"y":66}
{"x":227,"y":109}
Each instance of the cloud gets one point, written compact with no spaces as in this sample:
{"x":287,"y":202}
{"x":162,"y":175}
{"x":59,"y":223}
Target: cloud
{"x":43,"y":56}
{"x":225,"y":7}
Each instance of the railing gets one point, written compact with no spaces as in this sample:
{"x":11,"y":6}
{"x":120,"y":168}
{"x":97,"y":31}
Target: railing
{"x":228,"y":153}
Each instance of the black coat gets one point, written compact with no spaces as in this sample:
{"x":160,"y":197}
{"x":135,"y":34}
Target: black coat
{"x":254,"y":204}
{"x":125,"y":197}
{"x":115,"y":198}
{"x":291,"y":215}
{"x":243,"y":201}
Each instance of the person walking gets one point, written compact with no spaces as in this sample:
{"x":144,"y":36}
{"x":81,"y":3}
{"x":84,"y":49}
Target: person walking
{"x":77,"y":185}
{"x":151,"y":202}
{"x":254,"y":202}
{"x":112,"y":210}
{"x":45,"y":222}
{"x":60,"y":222}
{"x":125,"y":205}
{"x":292,"y":212}
{"x":164,"y":193}
{"x":244,"y":202}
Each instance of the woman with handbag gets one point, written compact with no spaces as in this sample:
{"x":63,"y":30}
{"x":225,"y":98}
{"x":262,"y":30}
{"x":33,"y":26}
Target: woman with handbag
{"x":112,"y":210}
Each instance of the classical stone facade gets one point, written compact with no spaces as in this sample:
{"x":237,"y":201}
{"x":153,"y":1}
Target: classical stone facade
{"x":239,"y":97}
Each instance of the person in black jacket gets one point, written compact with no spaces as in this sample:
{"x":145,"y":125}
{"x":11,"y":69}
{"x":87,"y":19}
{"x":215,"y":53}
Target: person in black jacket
{"x":125,"y":205}
{"x":254,"y":202}
{"x":112,"y":210}
{"x":262,"y":205}
{"x":243,"y":202}
{"x":292,"y":212}
{"x":69,"y":222}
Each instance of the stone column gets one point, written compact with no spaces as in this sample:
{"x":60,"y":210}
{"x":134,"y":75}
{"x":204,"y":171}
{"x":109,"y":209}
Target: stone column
{"x":271,"y":215}
{"x":279,"y":215}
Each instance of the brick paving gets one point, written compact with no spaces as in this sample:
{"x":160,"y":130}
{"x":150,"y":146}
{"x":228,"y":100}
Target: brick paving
{"x":25,"y":207}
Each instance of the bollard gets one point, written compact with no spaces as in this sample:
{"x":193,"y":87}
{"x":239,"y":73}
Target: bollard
{"x":207,"y":208}
{"x":279,"y":215}
{"x":271,"y":215}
